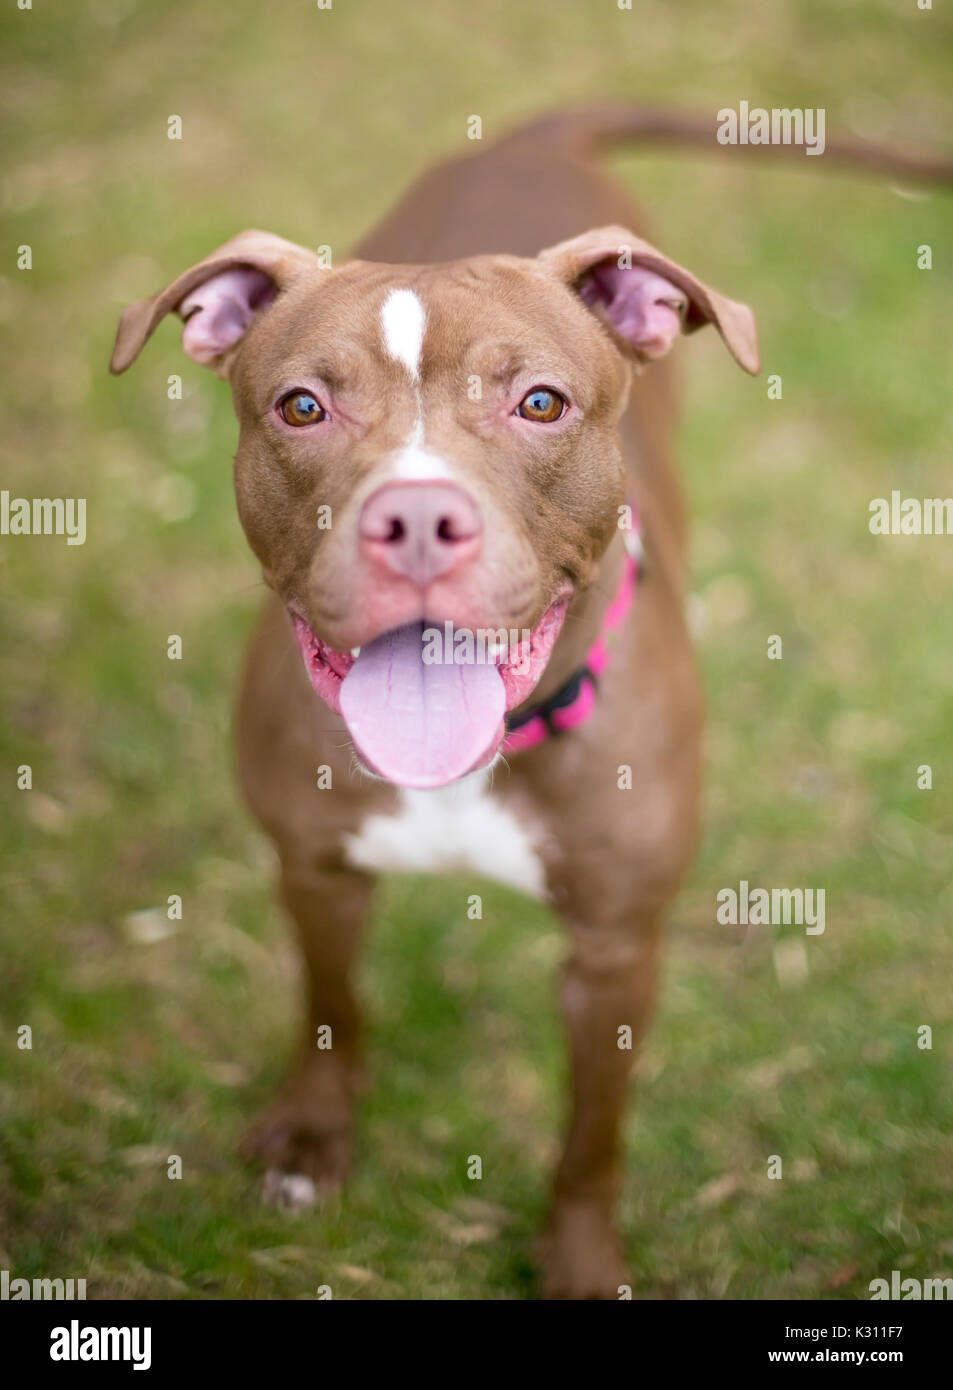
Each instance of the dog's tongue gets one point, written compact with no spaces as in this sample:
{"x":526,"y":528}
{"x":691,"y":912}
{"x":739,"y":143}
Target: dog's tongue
{"x":420,"y":724}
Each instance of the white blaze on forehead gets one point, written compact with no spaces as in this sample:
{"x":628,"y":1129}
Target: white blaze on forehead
{"x":403,"y":324}
{"x":403,"y":321}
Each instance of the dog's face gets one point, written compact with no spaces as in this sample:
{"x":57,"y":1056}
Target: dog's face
{"x":431,"y":445}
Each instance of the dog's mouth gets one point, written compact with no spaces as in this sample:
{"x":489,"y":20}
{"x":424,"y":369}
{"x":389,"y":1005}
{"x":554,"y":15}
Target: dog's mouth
{"x":426,"y":703}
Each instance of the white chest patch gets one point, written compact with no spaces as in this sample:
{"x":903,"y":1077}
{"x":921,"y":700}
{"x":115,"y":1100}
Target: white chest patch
{"x":403,"y":322}
{"x":452,"y":828}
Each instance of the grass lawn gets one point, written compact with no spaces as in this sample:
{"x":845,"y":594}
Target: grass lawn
{"x":149,"y":1043}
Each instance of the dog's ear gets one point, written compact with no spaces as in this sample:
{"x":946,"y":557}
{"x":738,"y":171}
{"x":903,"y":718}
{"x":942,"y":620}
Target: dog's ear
{"x":218,"y":298}
{"x":645,"y":298}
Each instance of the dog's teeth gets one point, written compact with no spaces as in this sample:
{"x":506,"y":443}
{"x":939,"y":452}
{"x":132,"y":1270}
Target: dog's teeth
{"x":355,"y":651}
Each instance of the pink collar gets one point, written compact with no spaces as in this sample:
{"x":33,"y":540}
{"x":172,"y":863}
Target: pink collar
{"x":573,"y":702}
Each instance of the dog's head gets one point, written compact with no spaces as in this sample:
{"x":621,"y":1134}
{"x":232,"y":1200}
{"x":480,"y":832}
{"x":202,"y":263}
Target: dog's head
{"x":431,"y":445}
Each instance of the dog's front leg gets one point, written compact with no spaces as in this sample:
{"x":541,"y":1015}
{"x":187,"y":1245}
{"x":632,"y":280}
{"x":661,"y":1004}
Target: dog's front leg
{"x":608,"y":992}
{"x":304,"y":1135}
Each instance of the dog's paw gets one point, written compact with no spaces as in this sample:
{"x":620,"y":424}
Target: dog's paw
{"x":303,"y":1138}
{"x":293,"y":1191}
{"x":579,"y":1256}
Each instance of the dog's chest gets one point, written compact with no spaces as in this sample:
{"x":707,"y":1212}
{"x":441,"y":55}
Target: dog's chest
{"x":460,"y":827}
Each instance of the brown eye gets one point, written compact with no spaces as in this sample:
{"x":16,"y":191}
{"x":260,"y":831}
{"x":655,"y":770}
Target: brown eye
{"x":542,"y":405}
{"x":300,"y":408}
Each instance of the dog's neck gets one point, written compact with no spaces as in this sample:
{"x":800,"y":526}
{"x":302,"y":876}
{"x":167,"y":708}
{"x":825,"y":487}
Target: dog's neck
{"x":584,"y":623}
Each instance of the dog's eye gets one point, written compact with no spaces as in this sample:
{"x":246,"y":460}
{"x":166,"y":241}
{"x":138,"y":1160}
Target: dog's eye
{"x":542,"y":405}
{"x":300,"y":408}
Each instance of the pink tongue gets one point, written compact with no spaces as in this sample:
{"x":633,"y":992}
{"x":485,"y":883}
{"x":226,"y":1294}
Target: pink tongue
{"x":420,"y":724}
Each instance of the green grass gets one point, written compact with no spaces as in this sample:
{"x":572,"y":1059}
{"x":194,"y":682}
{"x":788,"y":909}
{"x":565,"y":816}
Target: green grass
{"x":310,"y":122}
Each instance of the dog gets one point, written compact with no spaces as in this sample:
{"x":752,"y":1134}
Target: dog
{"x":468,"y":429}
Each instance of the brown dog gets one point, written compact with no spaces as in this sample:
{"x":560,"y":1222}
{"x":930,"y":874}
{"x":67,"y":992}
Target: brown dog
{"x":447,"y":432}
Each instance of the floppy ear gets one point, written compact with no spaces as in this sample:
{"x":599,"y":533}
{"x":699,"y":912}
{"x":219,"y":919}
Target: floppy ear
{"x":645,"y":298}
{"x":218,"y":298}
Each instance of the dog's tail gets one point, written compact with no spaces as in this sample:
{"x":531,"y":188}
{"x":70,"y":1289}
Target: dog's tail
{"x":581,"y":130}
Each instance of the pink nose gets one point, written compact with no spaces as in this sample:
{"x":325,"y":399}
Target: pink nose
{"x":422,"y":531}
